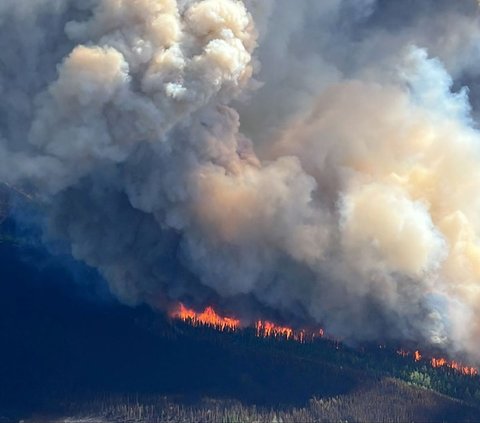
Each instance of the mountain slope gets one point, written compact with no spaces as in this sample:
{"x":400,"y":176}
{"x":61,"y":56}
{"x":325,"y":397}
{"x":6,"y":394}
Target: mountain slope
{"x":68,"y":353}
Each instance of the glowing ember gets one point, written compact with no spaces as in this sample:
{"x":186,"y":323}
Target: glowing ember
{"x":207,"y":318}
{"x":403,"y":353}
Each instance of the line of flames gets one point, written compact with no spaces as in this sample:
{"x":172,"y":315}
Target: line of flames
{"x":208,"y":317}
{"x":441,"y":363}
{"x":267,"y":329}
{"x":263,"y":328}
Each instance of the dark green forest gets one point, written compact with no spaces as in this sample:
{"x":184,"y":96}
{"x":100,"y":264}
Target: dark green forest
{"x":71,"y":350}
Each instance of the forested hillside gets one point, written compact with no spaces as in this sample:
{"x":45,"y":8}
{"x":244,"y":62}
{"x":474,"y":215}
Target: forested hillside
{"x":71,"y":350}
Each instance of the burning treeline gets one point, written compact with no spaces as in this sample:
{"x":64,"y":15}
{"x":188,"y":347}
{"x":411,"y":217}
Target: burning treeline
{"x":263,"y":328}
{"x":440,"y":362}
{"x":267,"y":329}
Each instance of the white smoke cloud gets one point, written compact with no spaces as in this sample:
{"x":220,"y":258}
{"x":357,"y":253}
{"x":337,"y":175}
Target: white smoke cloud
{"x":296,"y":153}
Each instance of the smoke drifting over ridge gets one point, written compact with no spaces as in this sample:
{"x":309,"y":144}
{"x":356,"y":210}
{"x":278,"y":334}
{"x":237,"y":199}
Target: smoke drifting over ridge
{"x":318,"y":157}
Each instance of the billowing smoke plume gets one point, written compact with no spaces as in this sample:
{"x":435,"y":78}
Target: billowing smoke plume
{"x":318,"y":158}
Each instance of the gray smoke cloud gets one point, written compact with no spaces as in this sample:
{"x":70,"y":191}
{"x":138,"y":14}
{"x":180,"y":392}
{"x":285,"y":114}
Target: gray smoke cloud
{"x":318,"y":157}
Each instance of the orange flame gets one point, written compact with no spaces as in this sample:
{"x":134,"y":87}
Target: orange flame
{"x":267,"y":329}
{"x":464,"y":370}
{"x":442,"y":362}
{"x":263,"y":329}
{"x":206,"y":318}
